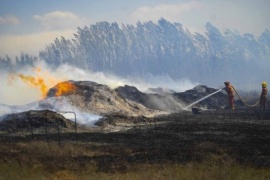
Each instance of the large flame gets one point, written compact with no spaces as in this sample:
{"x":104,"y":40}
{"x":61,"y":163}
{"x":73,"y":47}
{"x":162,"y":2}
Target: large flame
{"x":43,"y":81}
{"x":35,"y":82}
{"x":64,"y":88}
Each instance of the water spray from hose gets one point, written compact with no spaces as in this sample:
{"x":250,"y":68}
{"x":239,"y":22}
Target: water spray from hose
{"x":185,"y":108}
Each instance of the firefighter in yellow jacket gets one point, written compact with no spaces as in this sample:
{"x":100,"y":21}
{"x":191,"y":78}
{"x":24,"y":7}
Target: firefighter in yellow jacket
{"x":229,"y":90}
{"x":263,"y":97}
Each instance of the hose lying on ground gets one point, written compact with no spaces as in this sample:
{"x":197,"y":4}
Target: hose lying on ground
{"x":244,"y":101}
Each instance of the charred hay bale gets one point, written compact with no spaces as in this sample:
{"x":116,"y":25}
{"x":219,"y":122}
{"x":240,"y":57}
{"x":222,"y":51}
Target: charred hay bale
{"x":34,"y":119}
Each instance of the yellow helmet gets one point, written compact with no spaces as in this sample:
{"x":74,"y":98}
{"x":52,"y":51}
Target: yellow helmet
{"x":264,"y":84}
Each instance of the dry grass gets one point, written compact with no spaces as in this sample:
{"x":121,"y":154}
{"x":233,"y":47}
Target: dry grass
{"x":183,"y":148}
{"x":140,"y":171}
{"x":40,"y":160}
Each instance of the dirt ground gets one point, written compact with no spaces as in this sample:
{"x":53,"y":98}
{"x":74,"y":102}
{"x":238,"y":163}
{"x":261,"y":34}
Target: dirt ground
{"x":241,"y":136}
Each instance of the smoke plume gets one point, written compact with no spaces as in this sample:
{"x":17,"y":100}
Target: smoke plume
{"x":25,"y":89}
{"x":31,"y":84}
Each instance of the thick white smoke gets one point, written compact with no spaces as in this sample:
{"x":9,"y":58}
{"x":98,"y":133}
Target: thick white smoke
{"x":16,"y":92}
{"x":150,"y":81}
{"x":67,"y":110}
{"x":60,"y":106}
{"x":17,"y":95}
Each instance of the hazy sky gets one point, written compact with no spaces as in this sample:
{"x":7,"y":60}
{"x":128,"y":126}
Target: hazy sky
{"x":28,"y":25}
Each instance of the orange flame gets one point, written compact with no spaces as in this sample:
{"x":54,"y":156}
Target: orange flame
{"x":42,"y":81}
{"x":36,"y":82}
{"x":64,"y":88}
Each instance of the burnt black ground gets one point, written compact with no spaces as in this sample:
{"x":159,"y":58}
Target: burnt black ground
{"x":242,"y":135}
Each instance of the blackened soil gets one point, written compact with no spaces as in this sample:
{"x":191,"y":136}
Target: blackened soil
{"x":241,"y":136}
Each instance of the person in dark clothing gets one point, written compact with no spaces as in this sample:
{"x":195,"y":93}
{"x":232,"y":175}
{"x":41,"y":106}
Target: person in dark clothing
{"x":263,"y":97}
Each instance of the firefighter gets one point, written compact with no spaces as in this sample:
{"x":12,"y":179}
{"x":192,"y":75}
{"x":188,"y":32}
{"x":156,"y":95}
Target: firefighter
{"x":229,"y":90}
{"x":263,"y":97}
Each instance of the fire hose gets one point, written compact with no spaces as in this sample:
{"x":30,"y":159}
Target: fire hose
{"x":244,"y":101}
